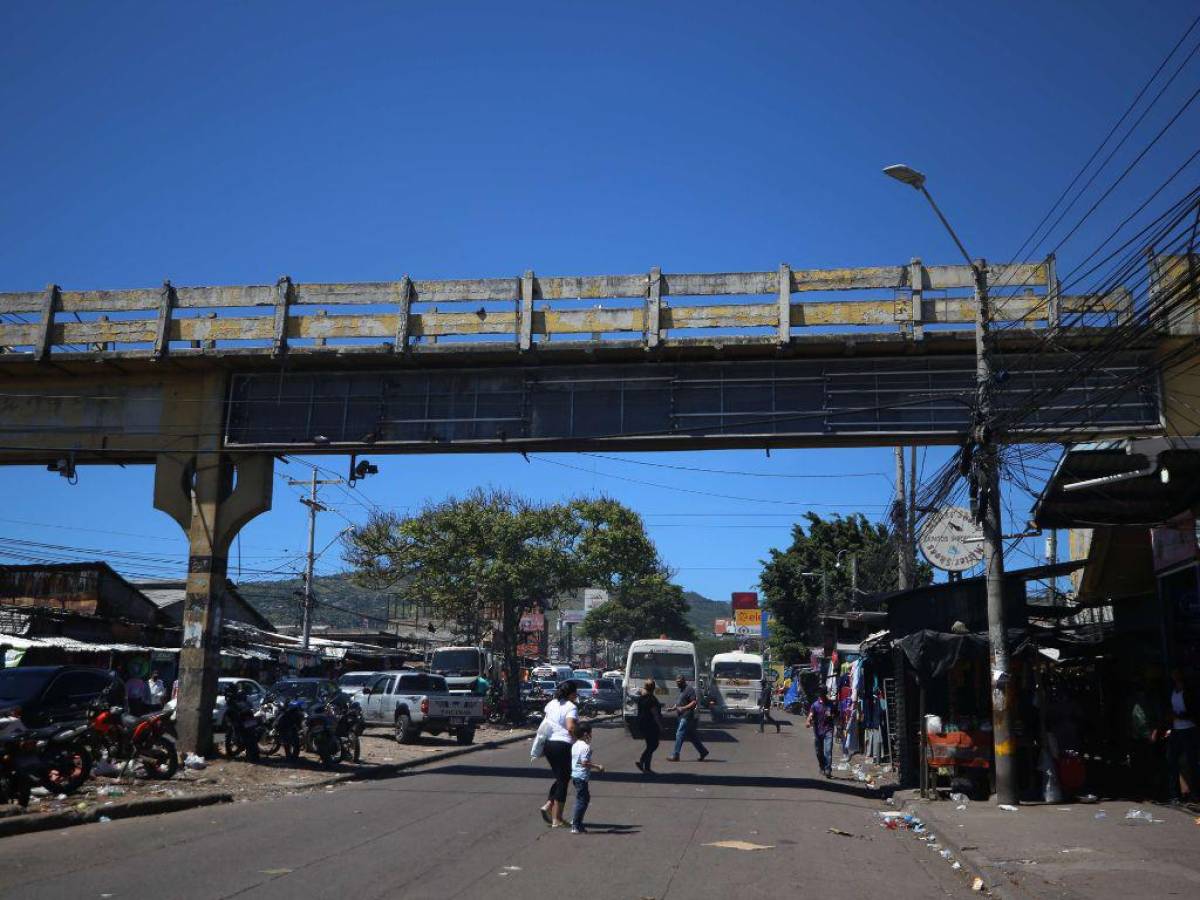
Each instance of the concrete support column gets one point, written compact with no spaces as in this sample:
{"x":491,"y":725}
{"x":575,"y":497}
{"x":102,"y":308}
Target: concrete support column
{"x":211,"y":495}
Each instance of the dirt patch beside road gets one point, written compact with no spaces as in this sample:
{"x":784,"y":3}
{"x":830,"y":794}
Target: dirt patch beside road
{"x":272,"y":776}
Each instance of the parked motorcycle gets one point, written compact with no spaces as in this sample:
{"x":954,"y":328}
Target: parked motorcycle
{"x":147,"y":739}
{"x":282,"y":719}
{"x":242,"y":726}
{"x":319,"y":734}
{"x":54,"y":757}
{"x":348,"y":728}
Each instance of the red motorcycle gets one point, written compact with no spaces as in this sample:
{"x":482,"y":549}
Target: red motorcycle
{"x":146,"y":739}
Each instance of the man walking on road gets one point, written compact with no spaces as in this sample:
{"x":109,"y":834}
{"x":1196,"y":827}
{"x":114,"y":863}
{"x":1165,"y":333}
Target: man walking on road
{"x":820,"y":719}
{"x":685,"y":706}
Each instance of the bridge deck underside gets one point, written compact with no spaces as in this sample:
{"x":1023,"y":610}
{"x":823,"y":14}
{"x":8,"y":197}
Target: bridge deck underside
{"x":678,"y":405}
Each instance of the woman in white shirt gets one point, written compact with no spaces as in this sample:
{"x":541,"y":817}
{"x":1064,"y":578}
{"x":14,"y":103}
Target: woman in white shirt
{"x":561,"y":715}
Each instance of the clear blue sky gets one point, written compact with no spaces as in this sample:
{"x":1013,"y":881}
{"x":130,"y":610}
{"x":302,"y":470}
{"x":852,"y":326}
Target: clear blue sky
{"x":234,"y":142}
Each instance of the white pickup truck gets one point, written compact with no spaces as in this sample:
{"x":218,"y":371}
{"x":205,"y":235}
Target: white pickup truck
{"x":417,"y":702}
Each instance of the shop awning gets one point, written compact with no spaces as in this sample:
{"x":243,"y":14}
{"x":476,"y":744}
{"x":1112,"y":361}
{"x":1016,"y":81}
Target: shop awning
{"x":1101,"y":484}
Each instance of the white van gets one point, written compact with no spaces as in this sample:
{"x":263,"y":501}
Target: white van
{"x":663,"y":661}
{"x":557,"y":674}
{"x":734,"y":684}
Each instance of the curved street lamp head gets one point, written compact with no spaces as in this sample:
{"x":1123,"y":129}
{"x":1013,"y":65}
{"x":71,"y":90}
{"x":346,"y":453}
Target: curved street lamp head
{"x":906,"y":174}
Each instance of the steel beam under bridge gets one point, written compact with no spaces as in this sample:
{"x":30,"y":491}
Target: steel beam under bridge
{"x":672,"y":405}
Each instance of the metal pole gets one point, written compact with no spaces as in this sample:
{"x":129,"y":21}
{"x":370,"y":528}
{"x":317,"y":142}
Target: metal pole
{"x":308,"y":572}
{"x":904,"y":576}
{"x":912,"y":515}
{"x":1051,"y":559}
{"x":988,"y":487}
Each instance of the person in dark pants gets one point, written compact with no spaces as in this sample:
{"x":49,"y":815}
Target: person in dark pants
{"x":1183,"y":739}
{"x":764,"y":703}
{"x":649,"y":723}
{"x":685,"y":706}
{"x":563,"y":716}
{"x":820,"y":719}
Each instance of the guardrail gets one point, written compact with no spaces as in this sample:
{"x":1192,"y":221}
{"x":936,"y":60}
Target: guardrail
{"x":526,"y":312}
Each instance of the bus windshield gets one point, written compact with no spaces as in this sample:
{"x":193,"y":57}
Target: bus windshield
{"x":747,"y":671}
{"x":662,"y":666}
{"x":455,"y":662}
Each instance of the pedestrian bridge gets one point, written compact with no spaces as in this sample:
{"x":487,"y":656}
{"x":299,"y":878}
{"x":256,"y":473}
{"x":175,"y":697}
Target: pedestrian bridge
{"x":782,"y":358}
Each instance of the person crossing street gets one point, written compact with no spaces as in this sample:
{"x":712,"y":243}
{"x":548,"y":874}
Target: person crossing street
{"x":685,"y":707}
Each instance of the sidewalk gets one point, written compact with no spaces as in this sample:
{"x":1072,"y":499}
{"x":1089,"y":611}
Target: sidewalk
{"x":1069,"y":850}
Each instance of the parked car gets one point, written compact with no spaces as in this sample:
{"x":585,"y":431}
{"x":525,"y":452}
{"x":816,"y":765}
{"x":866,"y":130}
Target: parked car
{"x":586,"y":673}
{"x":416,"y":703}
{"x":352,"y":683}
{"x":252,"y":689}
{"x":44,"y":695}
{"x":603,"y":693}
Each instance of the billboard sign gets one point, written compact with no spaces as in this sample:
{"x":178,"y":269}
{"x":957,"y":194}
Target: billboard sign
{"x":533,"y":622}
{"x":572,"y":616}
{"x":749,"y":618}
{"x":744,"y":600}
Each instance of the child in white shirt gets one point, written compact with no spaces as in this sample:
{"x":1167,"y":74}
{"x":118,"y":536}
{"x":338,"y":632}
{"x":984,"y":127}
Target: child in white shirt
{"x":581,"y":769}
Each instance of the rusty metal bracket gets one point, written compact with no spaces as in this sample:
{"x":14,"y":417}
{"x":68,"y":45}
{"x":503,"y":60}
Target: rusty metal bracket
{"x":525,"y":312}
{"x":283,"y":296}
{"x":162,"y":333}
{"x":43,"y":341}
{"x":403,"y":314}
{"x":653,"y":308}
{"x":785,"y":304}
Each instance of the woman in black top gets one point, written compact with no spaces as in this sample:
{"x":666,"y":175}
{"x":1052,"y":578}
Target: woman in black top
{"x":649,"y":723}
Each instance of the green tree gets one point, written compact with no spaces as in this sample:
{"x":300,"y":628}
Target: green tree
{"x":816,"y":574}
{"x":489,"y":555}
{"x":613,"y":551}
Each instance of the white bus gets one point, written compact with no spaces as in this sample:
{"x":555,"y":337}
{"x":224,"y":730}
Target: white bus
{"x":664,"y":661}
{"x":735,"y":681}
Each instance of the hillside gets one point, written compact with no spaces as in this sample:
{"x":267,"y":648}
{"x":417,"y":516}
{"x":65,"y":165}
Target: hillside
{"x":702,"y":612}
{"x":279,"y":601}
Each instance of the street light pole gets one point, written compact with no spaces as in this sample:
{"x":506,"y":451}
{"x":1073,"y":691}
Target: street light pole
{"x":985,"y":476}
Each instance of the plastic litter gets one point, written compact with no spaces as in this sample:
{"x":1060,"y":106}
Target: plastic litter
{"x":193,"y":761}
{"x":1008,"y":807}
{"x":957,"y":865}
{"x":961,"y":800}
{"x":1140,"y":815}
{"x":39,"y":792}
{"x":111,"y":791}
{"x":977,"y":884}
{"x":945,"y":854}
{"x":105,"y":819}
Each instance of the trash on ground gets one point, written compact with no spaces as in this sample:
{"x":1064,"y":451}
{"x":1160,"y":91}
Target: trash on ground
{"x":111,"y":791}
{"x":957,"y":865}
{"x":977,"y":884}
{"x":740,"y":845}
{"x":1008,"y":807}
{"x":105,"y":819}
{"x":39,"y":791}
{"x":1142,"y":816}
{"x":839,"y":831}
{"x":193,"y":761}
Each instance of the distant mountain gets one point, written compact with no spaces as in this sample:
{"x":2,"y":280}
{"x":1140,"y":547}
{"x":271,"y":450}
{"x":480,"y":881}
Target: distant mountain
{"x":356,"y":607}
{"x":702,"y":612}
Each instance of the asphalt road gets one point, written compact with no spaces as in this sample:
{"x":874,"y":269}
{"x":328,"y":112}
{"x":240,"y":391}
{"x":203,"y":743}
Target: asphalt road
{"x":469,"y":827}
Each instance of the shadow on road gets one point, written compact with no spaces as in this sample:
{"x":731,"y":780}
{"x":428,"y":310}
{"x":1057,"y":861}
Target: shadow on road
{"x":714,"y":780}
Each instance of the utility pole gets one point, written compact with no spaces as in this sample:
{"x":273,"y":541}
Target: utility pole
{"x":912,"y":515}
{"x":1051,"y":559}
{"x":985,"y":496}
{"x":314,"y":507}
{"x":900,"y":518}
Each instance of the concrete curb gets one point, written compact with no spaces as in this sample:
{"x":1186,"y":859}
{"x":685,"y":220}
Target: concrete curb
{"x":975,"y":862}
{"x":149,"y":806}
